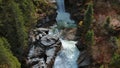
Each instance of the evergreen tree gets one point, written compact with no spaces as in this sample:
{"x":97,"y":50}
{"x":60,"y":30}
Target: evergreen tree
{"x":89,"y":37}
{"x":86,"y":32}
{"x":88,"y":18}
{"x":28,"y":9}
{"x":108,"y":28}
{"x":13,"y":26}
{"x":116,"y":56}
{"x":7,"y":60}
{"x":19,"y":25}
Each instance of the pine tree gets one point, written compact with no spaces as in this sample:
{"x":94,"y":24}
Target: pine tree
{"x":28,"y":9}
{"x":87,"y":23}
{"x":7,"y":60}
{"x":108,"y":28}
{"x":88,"y":18}
{"x":116,"y":56}
{"x":13,"y":26}
{"x":89,"y":37}
{"x":19,"y":26}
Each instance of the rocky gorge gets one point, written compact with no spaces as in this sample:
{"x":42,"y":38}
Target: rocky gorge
{"x":47,"y":44}
{"x":47,"y":38}
{"x":59,"y":33}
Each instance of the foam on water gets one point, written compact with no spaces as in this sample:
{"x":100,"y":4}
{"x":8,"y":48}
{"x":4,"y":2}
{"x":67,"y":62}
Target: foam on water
{"x":68,"y":55}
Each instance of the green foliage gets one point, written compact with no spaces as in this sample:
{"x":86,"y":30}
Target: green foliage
{"x":6,"y":56}
{"x":87,"y":32}
{"x":88,"y":19}
{"x":89,"y":37}
{"x":28,"y":9}
{"x":42,"y":6}
{"x":13,"y":27}
{"x":16,"y":18}
{"x":118,"y":41}
{"x":101,"y":66}
{"x":115,"y":62}
{"x":4,"y":42}
{"x":107,"y":23}
{"x":107,"y":27}
{"x":19,"y":23}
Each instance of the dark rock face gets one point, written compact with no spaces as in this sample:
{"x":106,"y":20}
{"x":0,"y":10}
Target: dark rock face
{"x":47,"y":20}
{"x":83,"y":60}
{"x":74,"y":7}
{"x":44,"y":48}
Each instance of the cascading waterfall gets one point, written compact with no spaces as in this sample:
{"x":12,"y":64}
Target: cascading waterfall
{"x":63,"y":18}
{"x":69,"y":53}
{"x":67,"y":56}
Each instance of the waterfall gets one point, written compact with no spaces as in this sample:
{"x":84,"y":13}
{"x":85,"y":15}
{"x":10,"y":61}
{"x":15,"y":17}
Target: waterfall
{"x":47,"y":42}
{"x":68,"y":56}
{"x":63,"y":17}
{"x":60,"y":5}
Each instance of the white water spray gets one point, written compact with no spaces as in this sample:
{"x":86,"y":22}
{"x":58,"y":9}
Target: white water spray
{"x":68,"y":55}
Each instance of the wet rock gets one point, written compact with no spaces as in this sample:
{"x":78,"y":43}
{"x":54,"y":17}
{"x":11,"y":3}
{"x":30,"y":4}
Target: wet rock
{"x":48,"y":40}
{"x":83,"y":60}
{"x":69,"y":33}
{"x":44,"y":48}
{"x":81,"y":46}
{"x":42,"y":29}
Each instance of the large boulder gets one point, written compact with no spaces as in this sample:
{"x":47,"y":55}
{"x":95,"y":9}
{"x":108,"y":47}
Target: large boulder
{"x":44,"y":48}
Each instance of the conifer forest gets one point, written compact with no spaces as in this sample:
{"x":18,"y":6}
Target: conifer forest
{"x":59,"y":33}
